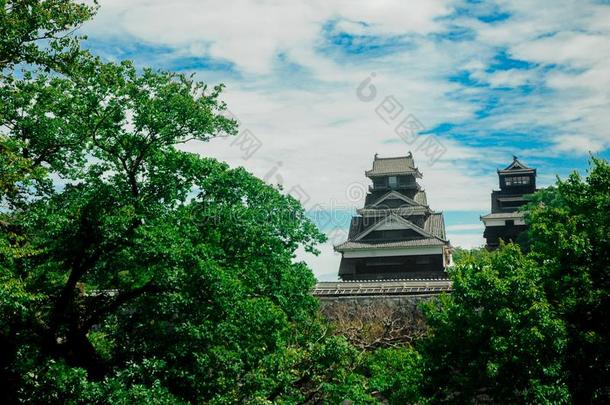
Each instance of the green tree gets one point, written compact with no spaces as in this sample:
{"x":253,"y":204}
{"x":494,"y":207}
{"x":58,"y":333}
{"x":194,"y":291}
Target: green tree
{"x":132,"y":271}
{"x":532,"y":328}
{"x":464,"y":255}
{"x":32,"y":33}
{"x":39,"y":32}
{"x":496,"y":338}
{"x":570,"y":236}
{"x":148,"y":252}
{"x":395,"y":375}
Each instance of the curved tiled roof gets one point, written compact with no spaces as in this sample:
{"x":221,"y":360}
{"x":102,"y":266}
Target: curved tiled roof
{"x":393,"y":166}
{"x":421,"y":197}
{"x":418,"y":195}
{"x":392,"y":244}
{"x":401,"y":221}
{"x":433,"y":224}
{"x":516,"y":167}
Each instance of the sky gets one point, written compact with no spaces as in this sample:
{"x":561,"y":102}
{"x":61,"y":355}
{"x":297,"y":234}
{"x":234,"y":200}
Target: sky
{"x":318,"y":87}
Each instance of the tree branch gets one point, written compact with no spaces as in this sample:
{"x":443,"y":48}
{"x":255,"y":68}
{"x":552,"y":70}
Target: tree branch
{"x":119,"y":300}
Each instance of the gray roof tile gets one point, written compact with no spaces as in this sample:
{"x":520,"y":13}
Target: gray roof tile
{"x":393,"y":244}
{"x":434,"y":224}
{"x":421,"y":197}
{"x":415,"y":194}
{"x":516,"y":167}
{"x":393,"y":166}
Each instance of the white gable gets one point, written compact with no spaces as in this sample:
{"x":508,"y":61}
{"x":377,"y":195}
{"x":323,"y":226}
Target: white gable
{"x":392,"y":223}
{"x":394,"y":195}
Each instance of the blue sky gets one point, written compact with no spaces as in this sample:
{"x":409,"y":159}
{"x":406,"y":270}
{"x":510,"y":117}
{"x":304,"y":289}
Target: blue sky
{"x":485,"y":80}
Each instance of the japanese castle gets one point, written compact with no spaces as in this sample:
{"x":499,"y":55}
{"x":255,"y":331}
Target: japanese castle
{"x":506,"y":222}
{"x":396,"y":235}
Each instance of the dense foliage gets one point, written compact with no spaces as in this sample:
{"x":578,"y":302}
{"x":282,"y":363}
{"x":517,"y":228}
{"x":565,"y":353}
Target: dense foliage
{"x":38,"y":32}
{"x":132,"y":271}
{"x":496,"y":338}
{"x":570,"y":237}
{"x":531,"y":328}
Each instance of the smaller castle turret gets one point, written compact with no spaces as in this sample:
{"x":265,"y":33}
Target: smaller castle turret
{"x":506,"y":222}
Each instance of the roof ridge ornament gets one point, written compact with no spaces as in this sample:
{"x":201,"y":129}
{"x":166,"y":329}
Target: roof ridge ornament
{"x":516,"y":165}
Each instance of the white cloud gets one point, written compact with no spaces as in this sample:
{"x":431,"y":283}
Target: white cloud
{"x":505,"y":78}
{"x":315,"y":127}
{"x":571,"y":48}
{"x":296,"y":92}
{"x":575,"y":143}
{"x":250,"y":33}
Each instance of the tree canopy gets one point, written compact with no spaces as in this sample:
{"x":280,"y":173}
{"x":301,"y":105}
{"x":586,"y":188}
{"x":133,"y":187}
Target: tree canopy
{"x":496,"y":339}
{"x":40,"y":32}
{"x":570,"y":237}
{"x":531,"y":328}
{"x":132,"y":271}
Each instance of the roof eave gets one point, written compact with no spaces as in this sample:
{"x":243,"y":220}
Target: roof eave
{"x":446,"y":243}
{"x":416,"y":174}
{"x":514,"y":214}
{"x":413,"y":209}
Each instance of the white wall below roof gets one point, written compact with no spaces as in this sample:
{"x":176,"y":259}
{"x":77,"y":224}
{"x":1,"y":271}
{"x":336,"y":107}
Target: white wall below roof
{"x":404,"y":251}
{"x":502,"y":222}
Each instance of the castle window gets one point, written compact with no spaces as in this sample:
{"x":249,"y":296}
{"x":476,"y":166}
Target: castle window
{"x":393,"y":181}
{"x":379,"y":182}
{"x":517,"y":181}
